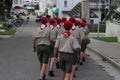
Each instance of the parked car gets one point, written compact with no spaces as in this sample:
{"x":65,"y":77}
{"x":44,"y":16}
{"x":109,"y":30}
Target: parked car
{"x":19,"y":12}
{"x":38,"y":17}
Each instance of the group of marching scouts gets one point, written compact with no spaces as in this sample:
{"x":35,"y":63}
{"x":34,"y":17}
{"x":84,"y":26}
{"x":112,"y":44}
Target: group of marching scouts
{"x":59,"y":41}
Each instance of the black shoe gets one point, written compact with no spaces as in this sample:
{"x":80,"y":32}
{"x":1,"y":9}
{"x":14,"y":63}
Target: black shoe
{"x":76,"y":69}
{"x":83,"y":59}
{"x":74,"y":75}
{"x":44,"y":77}
{"x":50,"y":73}
{"x":81,"y":63}
{"x":57,"y":65}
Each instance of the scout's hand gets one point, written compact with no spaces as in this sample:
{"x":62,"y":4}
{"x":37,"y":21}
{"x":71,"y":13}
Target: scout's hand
{"x":34,"y":49}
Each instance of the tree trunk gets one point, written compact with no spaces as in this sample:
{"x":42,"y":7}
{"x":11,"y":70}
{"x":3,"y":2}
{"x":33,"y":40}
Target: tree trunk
{"x":9,"y":5}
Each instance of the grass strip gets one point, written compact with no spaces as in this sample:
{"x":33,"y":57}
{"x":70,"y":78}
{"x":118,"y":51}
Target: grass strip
{"x":106,"y":39}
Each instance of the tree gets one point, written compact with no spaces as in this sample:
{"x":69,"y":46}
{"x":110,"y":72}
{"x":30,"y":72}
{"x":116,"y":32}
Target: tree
{"x":8,"y":5}
{"x":114,"y":13}
{"x":5,"y":5}
{"x":2,"y":10}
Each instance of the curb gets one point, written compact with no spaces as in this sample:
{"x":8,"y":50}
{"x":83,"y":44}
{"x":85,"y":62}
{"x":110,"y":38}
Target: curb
{"x":5,"y":36}
{"x":111,"y":61}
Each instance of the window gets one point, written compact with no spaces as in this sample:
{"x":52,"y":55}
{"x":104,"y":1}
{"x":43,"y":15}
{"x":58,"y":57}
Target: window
{"x":65,"y":3}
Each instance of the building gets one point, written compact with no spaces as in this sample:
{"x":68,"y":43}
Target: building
{"x":98,"y":10}
{"x":27,"y":2}
{"x":35,"y":2}
{"x":65,"y":6}
{"x":17,"y":3}
{"x":93,"y":10}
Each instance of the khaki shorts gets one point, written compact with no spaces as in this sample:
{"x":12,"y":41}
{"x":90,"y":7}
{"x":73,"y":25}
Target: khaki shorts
{"x":66,"y":62}
{"x":76,"y":56}
{"x":43,"y":53}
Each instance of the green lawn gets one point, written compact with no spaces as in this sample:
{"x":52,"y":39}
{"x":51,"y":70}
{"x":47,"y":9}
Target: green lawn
{"x":1,"y":21}
{"x":106,"y":39}
{"x":7,"y":31}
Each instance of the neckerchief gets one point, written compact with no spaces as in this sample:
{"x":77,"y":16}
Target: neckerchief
{"x":51,"y":27}
{"x":58,"y":26}
{"x":66,"y":34}
{"x":43,"y":26}
{"x":73,"y":28}
{"x":79,"y":26}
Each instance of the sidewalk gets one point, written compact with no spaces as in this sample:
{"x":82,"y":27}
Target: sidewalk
{"x":108,"y":51}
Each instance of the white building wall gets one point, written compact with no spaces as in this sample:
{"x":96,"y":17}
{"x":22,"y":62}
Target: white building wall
{"x":112,"y":29}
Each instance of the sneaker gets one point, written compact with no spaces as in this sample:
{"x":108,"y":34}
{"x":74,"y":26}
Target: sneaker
{"x":81,"y":63}
{"x":50,"y":73}
{"x":44,"y":77}
{"x":76,"y":69}
{"x":74,"y":75}
{"x":83,"y":59}
{"x":57,"y":65}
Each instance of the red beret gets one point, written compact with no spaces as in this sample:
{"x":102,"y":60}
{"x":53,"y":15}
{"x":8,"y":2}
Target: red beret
{"x":77,"y":22}
{"x":83,"y":24}
{"x":58,"y":20}
{"x":84,"y":20}
{"x":52,"y":20}
{"x":44,"y":20}
{"x":72,"y":19}
{"x":68,"y":24}
{"x":64,"y":19}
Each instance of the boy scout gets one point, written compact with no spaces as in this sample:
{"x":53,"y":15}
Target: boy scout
{"x":86,"y":32}
{"x":83,"y":46}
{"x":52,"y":24}
{"x":66,"y":45}
{"x":75,"y":31}
{"x":60,"y":30}
{"x":42,"y":39}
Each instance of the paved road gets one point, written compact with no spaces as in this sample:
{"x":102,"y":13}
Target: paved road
{"x":18,"y":62}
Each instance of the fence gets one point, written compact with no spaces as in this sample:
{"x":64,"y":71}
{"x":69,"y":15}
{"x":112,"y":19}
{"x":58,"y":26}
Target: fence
{"x":94,"y":27}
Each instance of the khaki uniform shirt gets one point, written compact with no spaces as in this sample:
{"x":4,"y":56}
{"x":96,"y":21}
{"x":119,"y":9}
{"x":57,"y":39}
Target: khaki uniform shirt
{"x":67,"y":44}
{"x":61,"y":29}
{"x":43,"y":36}
{"x":78,"y":33}
{"x":82,"y":32}
{"x":55,"y":32}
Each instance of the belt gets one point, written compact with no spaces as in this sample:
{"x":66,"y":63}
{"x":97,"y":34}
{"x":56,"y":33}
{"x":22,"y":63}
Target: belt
{"x":43,"y":45}
{"x":65,"y":52}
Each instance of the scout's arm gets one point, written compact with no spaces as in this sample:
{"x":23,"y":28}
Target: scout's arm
{"x":34,"y":44}
{"x":55,"y":54}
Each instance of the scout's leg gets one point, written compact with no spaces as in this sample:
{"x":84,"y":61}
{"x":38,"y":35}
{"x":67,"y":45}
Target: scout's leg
{"x":63,"y":75}
{"x":51,"y":67}
{"x":43,"y":70}
{"x":67,"y":77}
{"x":73,"y":72}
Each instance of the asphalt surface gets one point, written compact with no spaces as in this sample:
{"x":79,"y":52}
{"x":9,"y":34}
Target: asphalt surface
{"x":18,"y":62}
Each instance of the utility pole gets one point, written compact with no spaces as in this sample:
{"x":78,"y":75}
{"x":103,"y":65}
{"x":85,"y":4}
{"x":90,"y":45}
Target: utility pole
{"x":85,"y":10}
{"x":98,"y":19}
